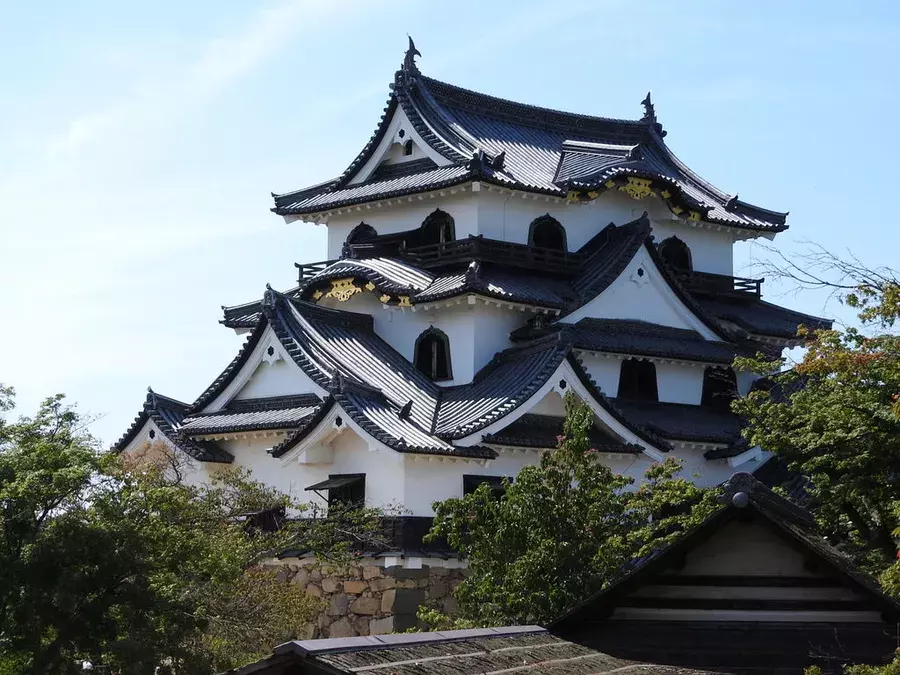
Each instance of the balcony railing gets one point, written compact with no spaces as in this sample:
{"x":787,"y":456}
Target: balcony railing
{"x":474,"y":248}
{"x":309,"y":270}
{"x":720,"y":284}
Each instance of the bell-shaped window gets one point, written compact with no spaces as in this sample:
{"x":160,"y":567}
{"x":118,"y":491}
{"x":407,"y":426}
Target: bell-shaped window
{"x":432,"y":355}
{"x":676,"y":254}
{"x":547,"y":232}
{"x":438,"y":228}
{"x":360,"y":233}
{"x":719,"y":388}
{"x":637,"y":381}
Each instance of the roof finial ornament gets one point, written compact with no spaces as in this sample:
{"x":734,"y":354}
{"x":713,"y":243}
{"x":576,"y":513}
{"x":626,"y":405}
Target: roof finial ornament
{"x":649,"y":110}
{"x":409,"y":59}
{"x":731,"y":203}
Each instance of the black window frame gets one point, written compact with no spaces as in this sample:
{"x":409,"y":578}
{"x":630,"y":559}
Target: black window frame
{"x":638,"y":381}
{"x":668,"y":247}
{"x":440,"y":368}
{"x":471,"y":482}
{"x":444,"y":224}
{"x":548,"y":221}
{"x":352,"y":494}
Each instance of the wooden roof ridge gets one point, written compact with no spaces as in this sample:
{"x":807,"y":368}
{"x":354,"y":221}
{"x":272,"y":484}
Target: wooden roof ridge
{"x":740,"y":493}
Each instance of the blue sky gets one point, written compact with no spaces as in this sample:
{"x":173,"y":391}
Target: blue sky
{"x":139,"y":143}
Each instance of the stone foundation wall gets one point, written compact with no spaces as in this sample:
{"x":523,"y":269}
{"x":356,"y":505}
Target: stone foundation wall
{"x":366,"y":599}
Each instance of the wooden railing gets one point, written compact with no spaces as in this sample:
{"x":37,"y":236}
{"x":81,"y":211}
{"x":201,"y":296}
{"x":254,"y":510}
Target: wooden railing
{"x":309,"y":270}
{"x":495,"y":251}
{"x":720,"y":284}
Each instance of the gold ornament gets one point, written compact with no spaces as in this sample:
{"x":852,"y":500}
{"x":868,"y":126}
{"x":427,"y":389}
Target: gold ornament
{"x":370,"y":286}
{"x":343,"y":289}
{"x":404,"y":301}
{"x":610,"y":184}
{"x":385,"y":299}
{"x":317,"y":295}
{"x":637,"y":188}
{"x":665,"y":194}
{"x":694,"y":215}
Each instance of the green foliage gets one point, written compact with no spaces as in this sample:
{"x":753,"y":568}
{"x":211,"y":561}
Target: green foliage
{"x":892,"y":668}
{"x":130,"y":567}
{"x":835,"y":418}
{"x":560,"y":532}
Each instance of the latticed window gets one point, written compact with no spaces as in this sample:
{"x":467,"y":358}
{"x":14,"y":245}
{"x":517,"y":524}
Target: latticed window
{"x":719,"y":388}
{"x":637,"y":381}
{"x":676,"y":253}
{"x":432,"y":355}
{"x":547,"y":232}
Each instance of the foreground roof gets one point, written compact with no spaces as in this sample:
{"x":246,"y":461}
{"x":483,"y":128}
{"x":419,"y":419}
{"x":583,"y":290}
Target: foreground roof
{"x":480,"y":651}
{"x":520,"y":146}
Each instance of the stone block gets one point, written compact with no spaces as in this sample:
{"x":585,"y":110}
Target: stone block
{"x":382,"y":584}
{"x":315,"y":574}
{"x":360,"y":625}
{"x":355,"y":587}
{"x":371,"y":572}
{"x":381,"y":626}
{"x":402,"y":601}
{"x":339,"y":604}
{"x":314,"y":589}
{"x":301,"y":577}
{"x":366,"y":606}
{"x":438,"y":589}
{"x":331,"y":585}
{"x":340,"y":628}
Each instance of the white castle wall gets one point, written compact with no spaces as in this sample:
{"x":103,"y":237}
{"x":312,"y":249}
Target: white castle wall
{"x":507,"y":217}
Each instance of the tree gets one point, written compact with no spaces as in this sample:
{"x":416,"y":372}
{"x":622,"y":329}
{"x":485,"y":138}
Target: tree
{"x":560,"y":531}
{"x":131,"y":568}
{"x":835,"y":416}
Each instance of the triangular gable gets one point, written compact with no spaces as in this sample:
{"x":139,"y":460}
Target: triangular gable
{"x":644,"y":292}
{"x":262,"y":369}
{"x":399,"y":144}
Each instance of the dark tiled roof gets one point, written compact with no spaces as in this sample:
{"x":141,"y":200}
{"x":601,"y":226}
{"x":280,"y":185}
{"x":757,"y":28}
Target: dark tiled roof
{"x":509,"y":380}
{"x":526,"y":147}
{"x":682,"y":422}
{"x":387,"y":274}
{"x":167,"y":414}
{"x":377,"y":189}
{"x":328,"y":343}
{"x":478,"y":651}
{"x":608,"y":254}
{"x":495,"y":282}
{"x":759,"y":317}
{"x":279,"y":412}
{"x":543,"y":431}
{"x":622,"y":336}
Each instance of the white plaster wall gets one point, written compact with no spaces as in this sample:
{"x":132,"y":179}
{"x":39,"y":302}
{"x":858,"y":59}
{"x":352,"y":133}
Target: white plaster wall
{"x":508,"y":216}
{"x":476,"y":331}
{"x":646,"y":297}
{"x":679,"y":383}
{"x":605,"y":371}
{"x":409,"y":215}
{"x":352,"y":454}
{"x":711,"y":251}
{"x":281,"y":378}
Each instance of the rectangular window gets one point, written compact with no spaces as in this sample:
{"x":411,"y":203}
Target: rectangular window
{"x":343,"y":488}
{"x":471,"y":483}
